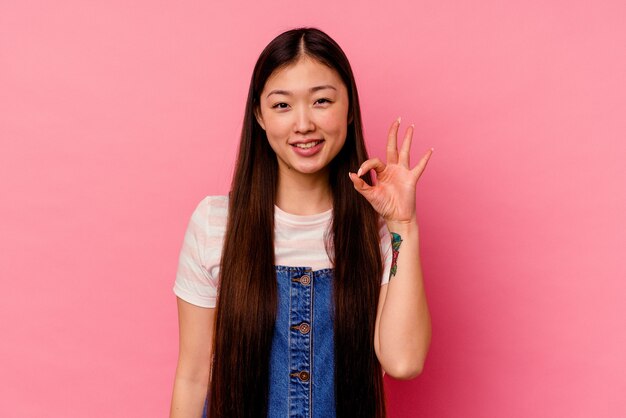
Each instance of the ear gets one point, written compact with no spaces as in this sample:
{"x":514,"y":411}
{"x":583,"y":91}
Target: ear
{"x":259,"y":117}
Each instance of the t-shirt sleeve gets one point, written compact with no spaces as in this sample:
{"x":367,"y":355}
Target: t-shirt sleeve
{"x":385,"y":250}
{"x":196,"y":280}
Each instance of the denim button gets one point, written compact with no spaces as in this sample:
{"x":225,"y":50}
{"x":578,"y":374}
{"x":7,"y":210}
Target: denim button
{"x":303,"y":375}
{"x":305,"y":280}
{"x":304,"y":328}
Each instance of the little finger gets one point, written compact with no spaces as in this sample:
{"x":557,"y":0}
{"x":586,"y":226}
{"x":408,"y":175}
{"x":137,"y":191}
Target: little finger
{"x":419,"y":168}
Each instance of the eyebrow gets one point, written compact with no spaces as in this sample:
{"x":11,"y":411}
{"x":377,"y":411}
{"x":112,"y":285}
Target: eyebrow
{"x":312,"y":90}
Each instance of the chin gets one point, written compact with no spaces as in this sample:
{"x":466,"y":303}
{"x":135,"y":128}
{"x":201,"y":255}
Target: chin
{"x":308,"y":169}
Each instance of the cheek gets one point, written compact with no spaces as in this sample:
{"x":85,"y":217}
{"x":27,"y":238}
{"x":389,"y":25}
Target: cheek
{"x":276,"y":127}
{"x":335,"y":122}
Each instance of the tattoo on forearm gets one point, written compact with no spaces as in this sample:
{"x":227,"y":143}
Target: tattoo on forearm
{"x":396,"y":240}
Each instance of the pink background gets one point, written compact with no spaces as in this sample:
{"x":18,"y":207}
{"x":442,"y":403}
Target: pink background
{"x":117,"y":117}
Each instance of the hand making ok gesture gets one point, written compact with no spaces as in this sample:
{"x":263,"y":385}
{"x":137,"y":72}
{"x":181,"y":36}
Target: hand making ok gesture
{"x":393,"y":192}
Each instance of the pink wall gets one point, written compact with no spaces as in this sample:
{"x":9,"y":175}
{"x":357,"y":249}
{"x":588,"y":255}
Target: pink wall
{"x":117,"y":117}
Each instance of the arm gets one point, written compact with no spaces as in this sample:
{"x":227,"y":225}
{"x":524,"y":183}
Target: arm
{"x":403,"y":329}
{"x":194,"y":360}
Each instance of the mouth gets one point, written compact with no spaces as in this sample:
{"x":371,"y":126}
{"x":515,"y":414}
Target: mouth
{"x":307,"y":145}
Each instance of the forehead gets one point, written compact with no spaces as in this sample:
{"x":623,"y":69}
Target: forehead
{"x":302,"y":75}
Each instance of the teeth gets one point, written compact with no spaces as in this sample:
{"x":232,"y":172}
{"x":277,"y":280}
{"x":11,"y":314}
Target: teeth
{"x":308,"y":145}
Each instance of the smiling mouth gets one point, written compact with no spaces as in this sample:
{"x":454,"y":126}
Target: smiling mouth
{"x":307,"y":145}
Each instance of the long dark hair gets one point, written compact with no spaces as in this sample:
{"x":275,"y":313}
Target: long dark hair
{"x":248,"y":295}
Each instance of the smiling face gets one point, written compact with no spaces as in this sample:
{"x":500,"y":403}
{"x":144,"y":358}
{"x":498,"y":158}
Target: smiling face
{"x":304,"y":112}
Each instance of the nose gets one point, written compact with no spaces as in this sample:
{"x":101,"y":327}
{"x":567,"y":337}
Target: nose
{"x":304,"y":122}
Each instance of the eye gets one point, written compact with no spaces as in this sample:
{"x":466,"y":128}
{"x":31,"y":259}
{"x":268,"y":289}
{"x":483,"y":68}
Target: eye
{"x":280,"y":106}
{"x":323,"y":101}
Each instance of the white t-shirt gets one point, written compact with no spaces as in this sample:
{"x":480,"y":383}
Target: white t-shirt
{"x":299,"y":241}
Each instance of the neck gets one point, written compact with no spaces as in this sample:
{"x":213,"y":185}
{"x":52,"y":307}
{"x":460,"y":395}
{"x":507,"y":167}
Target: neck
{"x":304,"y":194}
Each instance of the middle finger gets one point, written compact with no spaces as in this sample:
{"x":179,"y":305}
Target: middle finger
{"x":392,"y":143}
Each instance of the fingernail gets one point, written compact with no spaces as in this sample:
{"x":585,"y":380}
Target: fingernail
{"x":412,"y":125}
{"x":399,"y":119}
{"x":358,"y":173}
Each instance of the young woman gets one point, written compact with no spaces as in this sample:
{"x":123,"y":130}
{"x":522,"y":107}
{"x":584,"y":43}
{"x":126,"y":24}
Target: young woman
{"x":301,"y":326}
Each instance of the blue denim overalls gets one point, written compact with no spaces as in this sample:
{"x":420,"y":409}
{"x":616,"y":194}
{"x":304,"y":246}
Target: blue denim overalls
{"x":302,"y":362}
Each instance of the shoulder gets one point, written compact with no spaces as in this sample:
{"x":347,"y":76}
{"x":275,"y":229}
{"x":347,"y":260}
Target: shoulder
{"x":207,"y":225}
{"x":210,"y":212}
{"x":210,"y":205}
{"x":198,"y":267}
{"x":205,"y":232}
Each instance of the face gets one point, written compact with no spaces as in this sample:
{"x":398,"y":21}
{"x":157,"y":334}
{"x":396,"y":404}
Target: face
{"x":304,"y":112}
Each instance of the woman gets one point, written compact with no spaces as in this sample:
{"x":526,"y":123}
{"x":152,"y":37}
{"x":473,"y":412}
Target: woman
{"x":302,"y":325}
